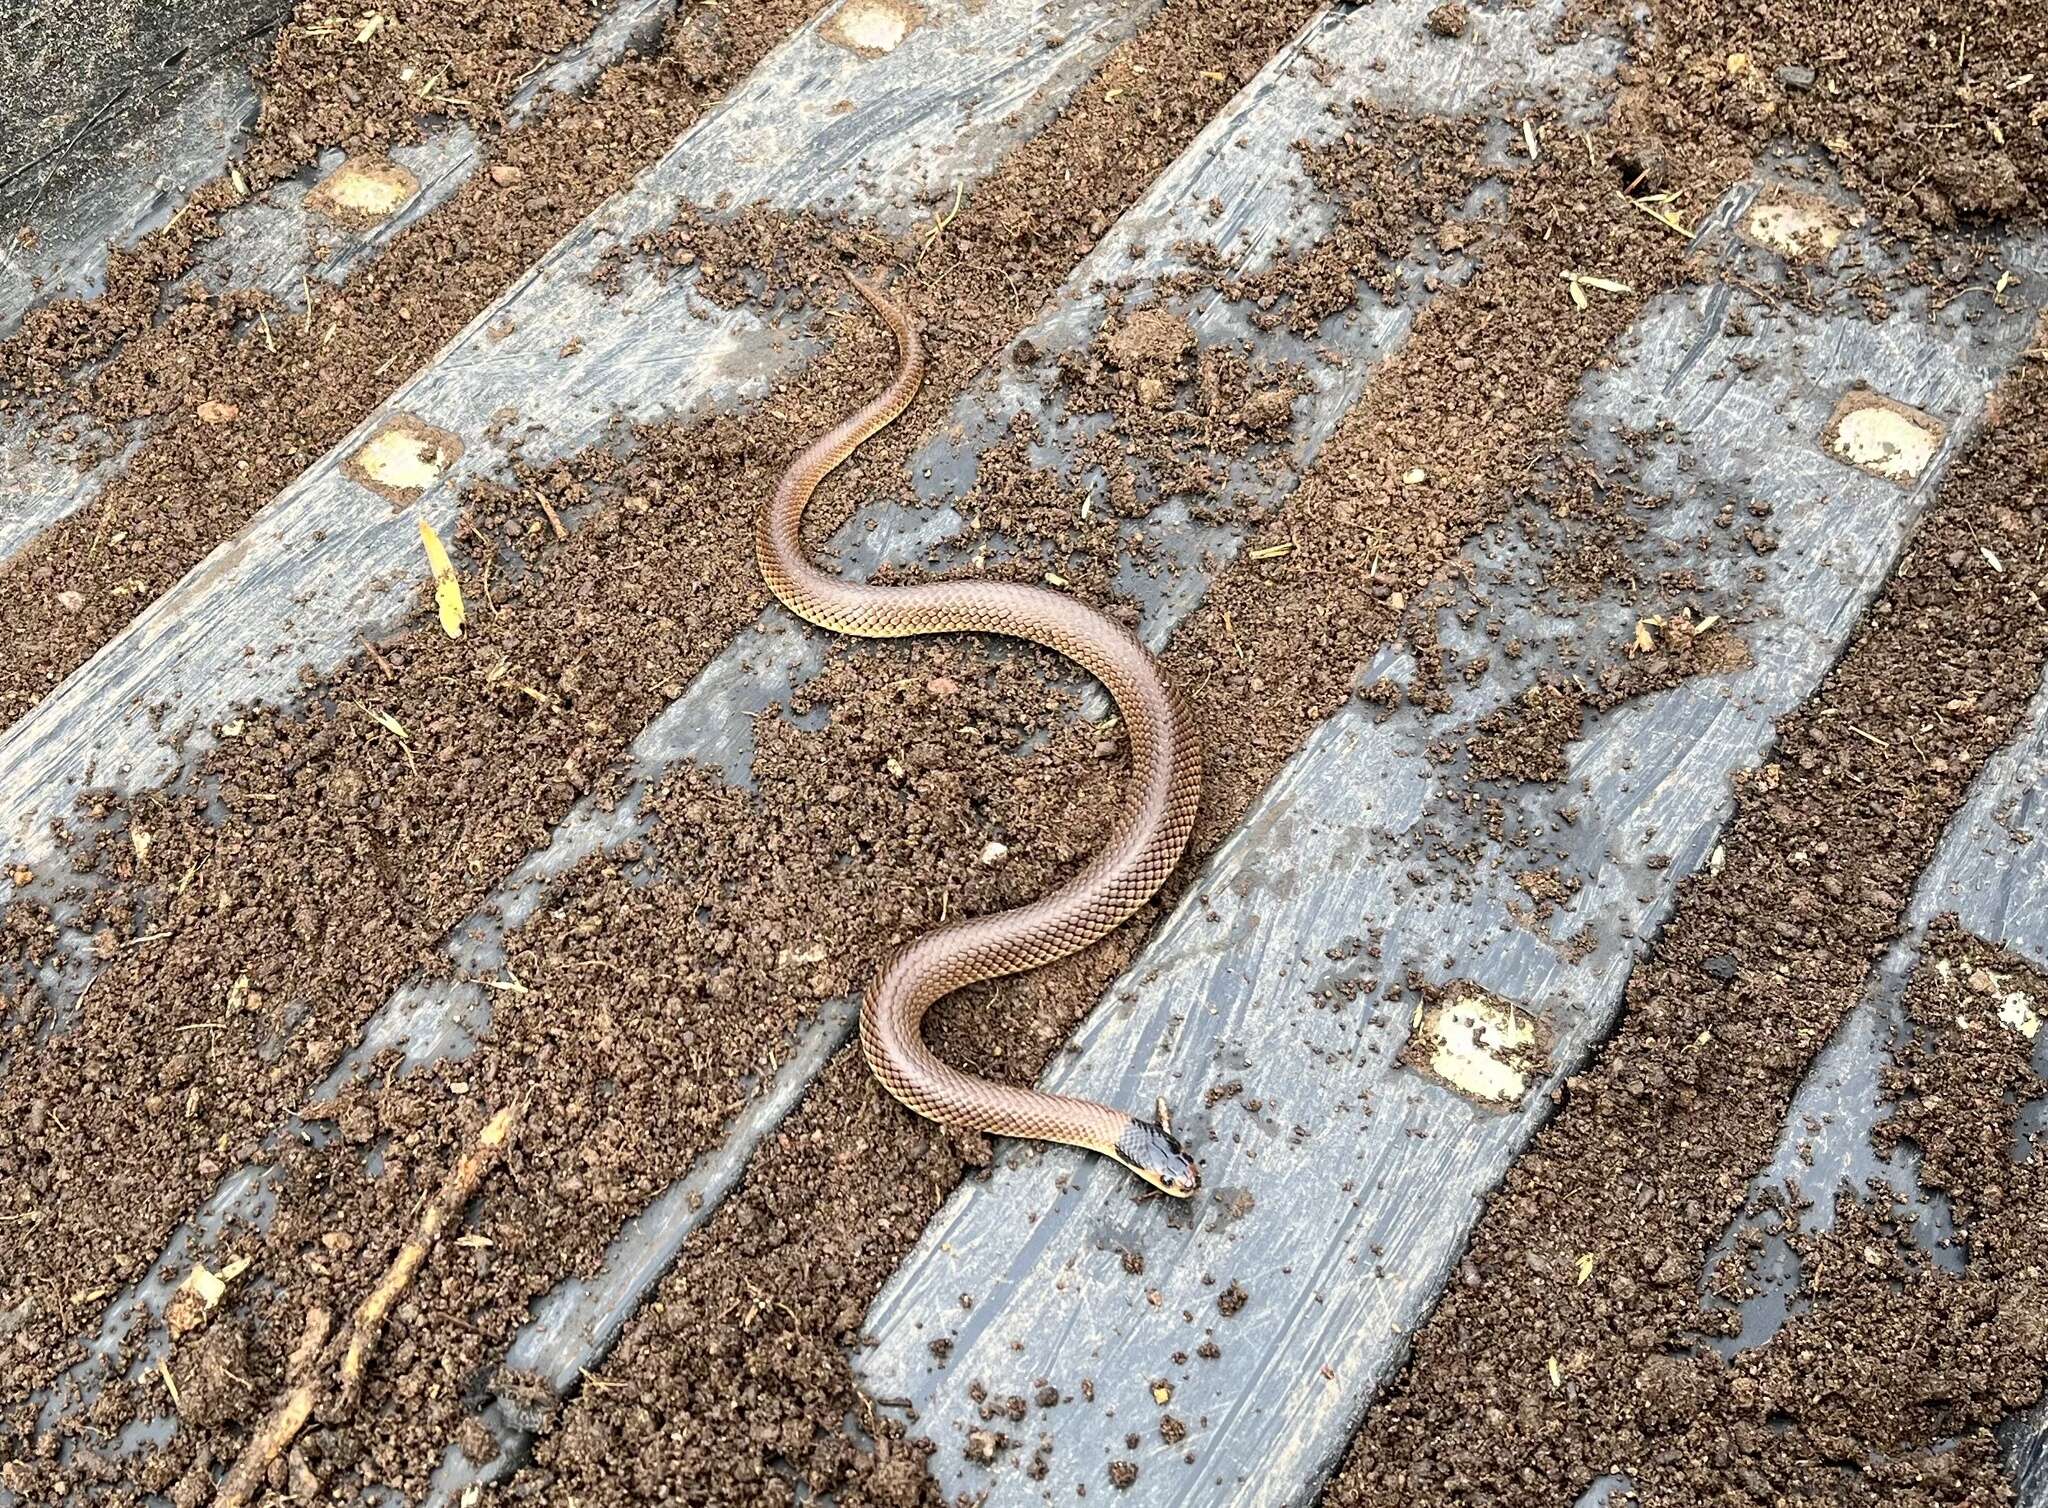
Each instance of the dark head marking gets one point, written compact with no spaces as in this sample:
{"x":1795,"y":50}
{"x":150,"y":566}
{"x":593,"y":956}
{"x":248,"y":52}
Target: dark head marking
{"x":1152,"y":1152}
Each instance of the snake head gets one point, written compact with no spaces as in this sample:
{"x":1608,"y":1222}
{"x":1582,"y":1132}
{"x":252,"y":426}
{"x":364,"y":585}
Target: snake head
{"x":1151,"y":1151}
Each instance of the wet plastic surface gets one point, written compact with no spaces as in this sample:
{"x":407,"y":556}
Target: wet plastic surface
{"x":109,"y":111}
{"x":1341,"y":1202}
{"x":1991,"y":875}
{"x":1342,"y":1183}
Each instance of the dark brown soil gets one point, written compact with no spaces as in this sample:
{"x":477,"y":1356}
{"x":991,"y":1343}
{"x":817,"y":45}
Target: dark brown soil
{"x":237,"y":948}
{"x":289,"y":386}
{"x":1931,"y":113}
{"x":501,"y":731}
{"x":1820,"y":860}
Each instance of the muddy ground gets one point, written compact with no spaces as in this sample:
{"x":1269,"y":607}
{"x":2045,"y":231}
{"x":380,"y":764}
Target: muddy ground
{"x":324,"y":856}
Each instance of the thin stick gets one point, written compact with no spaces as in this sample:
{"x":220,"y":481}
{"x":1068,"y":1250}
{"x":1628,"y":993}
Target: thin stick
{"x":268,"y":1443}
{"x":239,"y":1486}
{"x":382,"y":663}
{"x":455,"y":1192}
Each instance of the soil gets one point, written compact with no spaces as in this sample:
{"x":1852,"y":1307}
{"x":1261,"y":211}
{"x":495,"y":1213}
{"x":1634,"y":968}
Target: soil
{"x":1819,"y":862}
{"x":239,"y":929}
{"x":525,"y":714}
{"x":1863,"y":82}
{"x":241,"y":393}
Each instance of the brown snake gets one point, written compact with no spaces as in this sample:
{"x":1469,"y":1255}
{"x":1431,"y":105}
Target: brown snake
{"x":1145,"y":843}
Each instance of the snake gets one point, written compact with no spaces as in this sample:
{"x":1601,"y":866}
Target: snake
{"x":1145,"y":842}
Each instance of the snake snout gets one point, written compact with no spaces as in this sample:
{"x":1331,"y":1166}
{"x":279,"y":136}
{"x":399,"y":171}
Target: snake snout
{"x":1156,"y":1155}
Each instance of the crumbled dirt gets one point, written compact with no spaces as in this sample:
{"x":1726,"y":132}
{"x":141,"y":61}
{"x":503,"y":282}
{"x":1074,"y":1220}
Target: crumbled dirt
{"x":213,"y":1376}
{"x":1449,"y":20}
{"x":1762,"y":959}
{"x":1788,"y":1417}
{"x":226,"y":1023}
{"x":363,"y":84}
{"x":1528,"y":741}
{"x":1934,"y":120}
{"x":1394,"y":179}
{"x":240,"y":933}
{"x":1445,"y":439}
{"x":1971,"y":1333}
{"x":166,"y":349}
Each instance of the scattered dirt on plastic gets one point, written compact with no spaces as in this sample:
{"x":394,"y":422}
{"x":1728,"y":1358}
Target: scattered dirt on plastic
{"x":415,"y":777}
{"x":238,"y":935}
{"x":177,"y":351}
{"x":1760,"y":963}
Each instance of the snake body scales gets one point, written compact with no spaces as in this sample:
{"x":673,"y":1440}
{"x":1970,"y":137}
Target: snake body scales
{"x":1146,"y":840}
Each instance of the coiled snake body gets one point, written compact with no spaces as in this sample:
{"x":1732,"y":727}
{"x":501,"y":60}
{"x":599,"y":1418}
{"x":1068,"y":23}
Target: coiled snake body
{"x":1145,"y":843}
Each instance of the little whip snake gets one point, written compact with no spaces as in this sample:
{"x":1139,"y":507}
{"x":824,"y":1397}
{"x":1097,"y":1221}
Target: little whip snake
{"x":1150,"y":831}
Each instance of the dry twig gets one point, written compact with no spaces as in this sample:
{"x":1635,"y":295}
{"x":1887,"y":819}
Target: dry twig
{"x":291,"y":1414}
